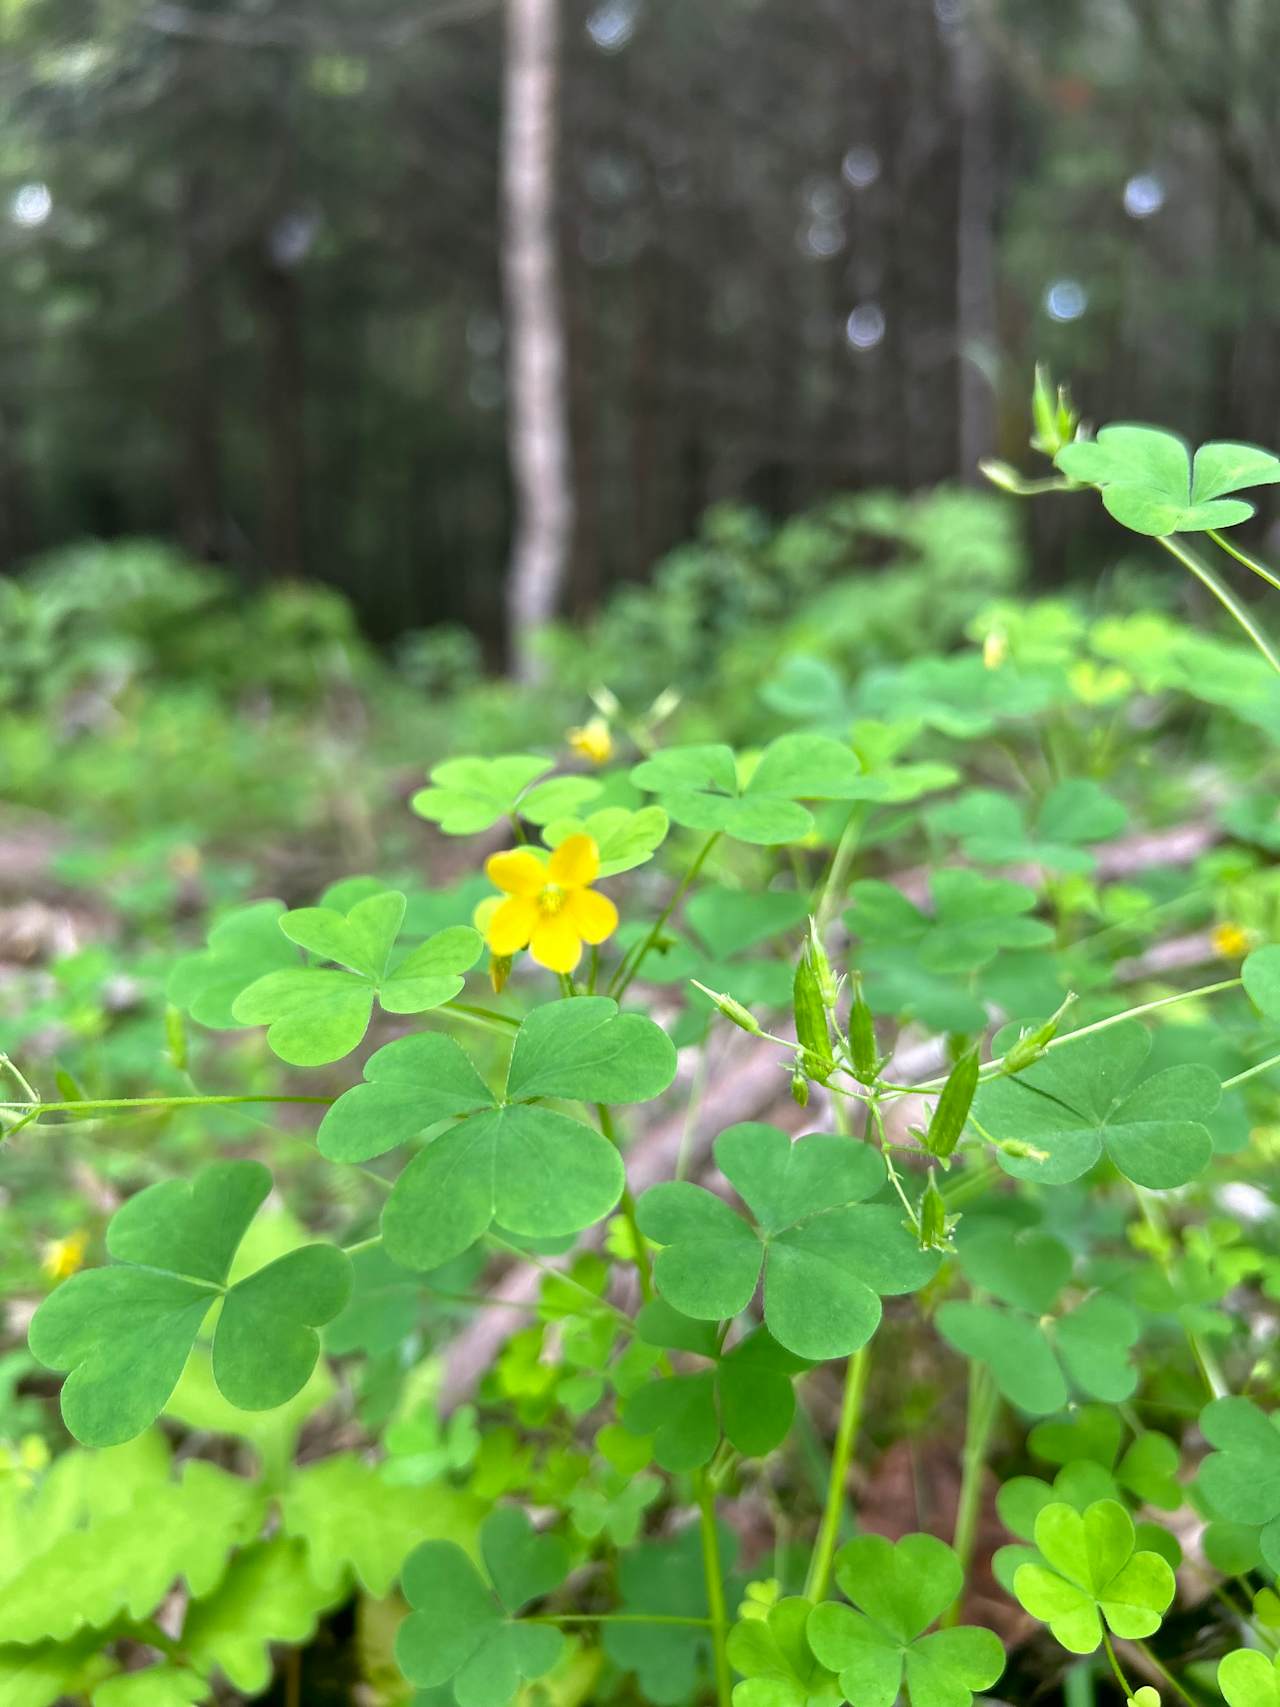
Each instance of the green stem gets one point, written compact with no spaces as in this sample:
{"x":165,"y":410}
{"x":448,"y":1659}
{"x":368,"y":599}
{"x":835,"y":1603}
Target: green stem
{"x":614,"y":1618}
{"x":1251,"y":563}
{"x":981,"y":1410}
{"x":1161,"y":1670}
{"x":837,"y":878}
{"x":1121,"y":1679}
{"x":824,"y":1549}
{"x":627,"y":1204}
{"x":631,"y":966}
{"x":1226,"y":598}
{"x":1206,"y":1361}
{"x":991,"y":1068}
{"x":714,"y":1575}
{"x":81,"y":1106}
{"x":482,"y":1016}
{"x":1251,"y":1072}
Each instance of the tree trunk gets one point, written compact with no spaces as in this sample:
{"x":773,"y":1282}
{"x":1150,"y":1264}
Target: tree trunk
{"x":537,"y":410}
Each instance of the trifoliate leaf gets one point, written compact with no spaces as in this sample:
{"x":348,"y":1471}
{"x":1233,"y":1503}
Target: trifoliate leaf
{"x":410,"y":1084}
{"x":623,"y":839}
{"x":776,"y":1663}
{"x":584,"y":1048}
{"x":900,"y":1589}
{"x":244,"y":945}
{"x":469,"y":795}
{"x":1148,"y":483}
{"x":1036,"y":1361}
{"x":1148,"y":1468}
{"x":994,"y":829}
{"x":1249,"y":1679}
{"x":700,"y":787}
{"x":124,"y":1333}
{"x":1092,"y":1572}
{"x":1241,"y":1477}
{"x":317,"y":1013}
{"x":748,"y":1397}
{"x":267,"y":1596}
{"x":462,"y":1629}
{"x":827,"y":1256}
{"x":1084,"y":1099}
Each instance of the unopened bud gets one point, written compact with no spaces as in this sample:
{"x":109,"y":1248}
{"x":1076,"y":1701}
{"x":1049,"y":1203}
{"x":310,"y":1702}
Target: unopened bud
{"x":813,"y":1028}
{"x":799,"y":1087}
{"x":952,"y":1108}
{"x":499,"y":971}
{"x":862,"y":1037}
{"x":933,"y":1224}
{"x":732,"y":1009}
{"x":1033,"y":1044}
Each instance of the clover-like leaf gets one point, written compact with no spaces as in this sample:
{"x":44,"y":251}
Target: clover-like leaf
{"x":1241,"y":1477}
{"x":124,"y":1333}
{"x":700,"y":786}
{"x":1248,"y":1678}
{"x":1084,"y":1099}
{"x":1148,"y":1469}
{"x":899,"y":1589}
{"x":748,"y":1396}
{"x":994,"y":828}
{"x":827,"y":1255}
{"x":469,"y":795}
{"x":244,"y":945}
{"x":537,"y":1172}
{"x":467,"y":1631}
{"x":624,"y":839}
{"x":777,"y":1664}
{"x":1148,"y":483}
{"x":1093,"y":1571}
{"x":317,"y":1013}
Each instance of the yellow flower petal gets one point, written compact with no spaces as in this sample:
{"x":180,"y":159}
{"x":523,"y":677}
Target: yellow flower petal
{"x":516,"y":872}
{"x":575,"y":863}
{"x":512,"y":925}
{"x":594,"y":915}
{"x":556,"y":944}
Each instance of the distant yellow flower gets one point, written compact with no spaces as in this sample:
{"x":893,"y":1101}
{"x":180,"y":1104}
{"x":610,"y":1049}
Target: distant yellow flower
{"x":593,"y":740}
{"x":995,"y":648}
{"x":1231,"y":941}
{"x":64,"y":1257}
{"x":550,"y":909}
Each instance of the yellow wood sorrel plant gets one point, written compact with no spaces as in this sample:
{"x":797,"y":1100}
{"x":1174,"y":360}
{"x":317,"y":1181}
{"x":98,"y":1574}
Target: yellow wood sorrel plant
{"x":1006,"y":1174}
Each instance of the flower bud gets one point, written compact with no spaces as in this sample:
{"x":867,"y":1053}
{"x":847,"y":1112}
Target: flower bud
{"x":1033,"y":1044}
{"x":732,"y":1009}
{"x":951,"y":1110}
{"x":813,"y":1028}
{"x":862,"y":1037}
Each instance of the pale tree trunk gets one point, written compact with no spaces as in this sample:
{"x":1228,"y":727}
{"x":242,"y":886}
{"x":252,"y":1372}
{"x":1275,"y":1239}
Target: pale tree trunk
{"x":537,"y":405}
{"x":976,"y":267}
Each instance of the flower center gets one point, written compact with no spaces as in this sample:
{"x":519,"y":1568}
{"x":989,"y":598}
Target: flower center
{"x":552,"y":899}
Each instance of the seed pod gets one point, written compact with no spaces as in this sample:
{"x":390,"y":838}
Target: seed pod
{"x":828,"y":983}
{"x":952,"y":1108}
{"x":1029,"y":1048}
{"x":732,"y":1009}
{"x":862,"y":1037}
{"x":933,"y":1226}
{"x":813,"y":1030}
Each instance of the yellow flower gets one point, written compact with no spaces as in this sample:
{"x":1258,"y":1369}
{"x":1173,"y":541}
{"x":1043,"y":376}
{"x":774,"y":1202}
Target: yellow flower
{"x":64,"y":1257}
{"x":995,"y":648}
{"x":550,"y":909}
{"x":1231,"y":941}
{"x":593,"y":740}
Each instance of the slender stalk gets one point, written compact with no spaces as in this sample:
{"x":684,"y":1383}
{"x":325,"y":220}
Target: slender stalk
{"x":1121,"y":1679}
{"x":1226,"y":598}
{"x":855,"y":1387}
{"x":1251,"y":1072}
{"x":981,"y":1410}
{"x":1207,"y":1363}
{"x":627,"y":1204}
{"x":632,"y":964}
{"x":614,"y":1618}
{"x":82,"y":1105}
{"x":1162,"y":1671}
{"x":482,"y":1016}
{"x":714,"y":1575}
{"x":837,"y":878}
{"x":990,"y":1068}
{"x":1224,"y":544}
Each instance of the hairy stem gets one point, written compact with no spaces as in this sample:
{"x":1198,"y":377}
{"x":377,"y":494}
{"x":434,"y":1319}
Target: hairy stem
{"x":1226,"y":598}
{"x":632,"y":964}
